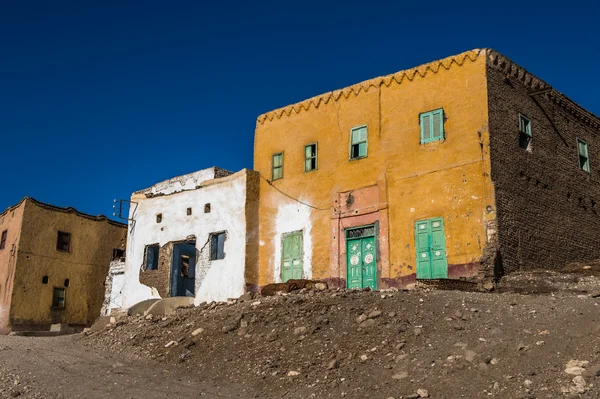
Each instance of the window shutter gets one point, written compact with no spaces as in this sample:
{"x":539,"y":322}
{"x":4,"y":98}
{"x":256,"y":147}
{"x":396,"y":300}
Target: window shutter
{"x":437,"y":125}
{"x":425,"y":128}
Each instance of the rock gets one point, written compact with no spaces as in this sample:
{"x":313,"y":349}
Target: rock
{"x":400,"y":345}
{"x":413,"y":396}
{"x":361,"y":318}
{"x":320,"y":286}
{"x":363,"y":357}
{"x":197,"y":331}
{"x":334,"y":364}
{"x":374,"y":314}
{"x":489,"y":286}
{"x":494,"y":361}
{"x":247,"y":297}
{"x":578,"y":385}
{"x":392,"y":314}
{"x":587,"y":267}
{"x":171,"y":343}
{"x":293,"y":373}
{"x":422,"y":393}
{"x":272,"y":336}
{"x":256,"y":303}
{"x":528,"y":383}
{"x":576,"y":367}
{"x":167,"y":306}
{"x":522,"y":347}
{"x":368,"y":323}
{"x":400,"y":376}
{"x":470,"y":355}
{"x":299,"y":330}
{"x":417,"y":331}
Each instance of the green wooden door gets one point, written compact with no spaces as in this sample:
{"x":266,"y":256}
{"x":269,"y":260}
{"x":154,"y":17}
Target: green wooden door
{"x":291,"y":259}
{"x":430,"y":241}
{"x":361,"y":260}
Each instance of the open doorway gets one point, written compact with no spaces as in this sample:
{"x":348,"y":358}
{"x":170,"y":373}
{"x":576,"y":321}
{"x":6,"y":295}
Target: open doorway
{"x":183,"y":269}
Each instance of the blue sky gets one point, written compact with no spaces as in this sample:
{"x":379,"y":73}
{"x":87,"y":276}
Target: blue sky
{"x":99,"y":99}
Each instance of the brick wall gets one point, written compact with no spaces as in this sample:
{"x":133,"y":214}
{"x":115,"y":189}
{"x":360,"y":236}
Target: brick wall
{"x":548,"y":209}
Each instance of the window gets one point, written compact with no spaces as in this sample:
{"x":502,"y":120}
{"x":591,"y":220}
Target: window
{"x":63,"y":242}
{"x":217,"y":246}
{"x":358,"y":142}
{"x":159,"y":218}
{"x":310,"y":157}
{"x":58,"y":298}
{"x":66,"y":284}
{"x":152,"y":257}
{"x":3,"y":239}
{"x":525,"y":135}
{"x":189,"y":211}
{"x":207,"y":208}
{"x":45,"y":280}
{"x":432,"y":126}
{"x":118,"y":253}
{"x":584,"y":158}
{"x":277,"y":166}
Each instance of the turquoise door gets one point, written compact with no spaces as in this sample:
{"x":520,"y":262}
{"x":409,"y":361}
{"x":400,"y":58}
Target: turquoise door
{"x":430,"y":241}
{"x":361,"y":258}
{"x":291,"y":257}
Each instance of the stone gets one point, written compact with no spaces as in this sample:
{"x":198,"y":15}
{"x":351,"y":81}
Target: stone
{"x":197,"y":331}
{"x":171,"y":343}
{"x":578,"y":385}
{"x":368,"y":323}
{"x":361,"y":318}
{"x":400,"y":376}
{"x":494,"y":361}
{"x":299,"y":330}
{"x":528,"y":383}
{"x":256,"y":303}
{"x":417,"y":331}
{"x":293,"y":373}
{"x":334,"y":364}
{"x":400,"y":345}
{"x":413,"y":396}
{"x":489,"y":286}
{"x":364,"y":357}
{"x":168,"y":306}
{"x":320,"y":286}
{"x":422,"y":393}
{"x":470,"y":355}
{"x":374,"y":314}
{"x":576,"y":367}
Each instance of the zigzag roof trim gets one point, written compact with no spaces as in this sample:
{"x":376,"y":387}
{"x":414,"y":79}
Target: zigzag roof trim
{"x":398,"y":77}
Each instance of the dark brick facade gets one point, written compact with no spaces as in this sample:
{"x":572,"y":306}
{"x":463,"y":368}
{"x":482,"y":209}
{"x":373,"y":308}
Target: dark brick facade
{"x":548,"y":209}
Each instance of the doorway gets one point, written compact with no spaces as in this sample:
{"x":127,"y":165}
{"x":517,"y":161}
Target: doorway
{"x":291,"y":258}
{"x":183,"y":269}
{"x":430,"y":241}
{"x":361,"y":254}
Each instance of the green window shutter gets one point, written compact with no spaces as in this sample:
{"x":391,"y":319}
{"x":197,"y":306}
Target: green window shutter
{"x":310,"y":157}
{"x":358,"y":142}
{"x":584,"y":159}
{"x":432,"y":126}
{"x":525,"y":125}
{"x":277,"y":172}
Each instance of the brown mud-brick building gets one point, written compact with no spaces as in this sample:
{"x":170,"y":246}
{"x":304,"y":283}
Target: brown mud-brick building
{"x":53,"y":263}
{"x":467,"y":167}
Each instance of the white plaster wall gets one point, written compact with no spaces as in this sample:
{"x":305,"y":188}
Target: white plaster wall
{"x":223,"y":278}
{"x":181,"y":183}
{"x":293,"y":217}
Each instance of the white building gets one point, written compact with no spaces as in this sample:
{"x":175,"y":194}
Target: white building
{"x":193,"y":235}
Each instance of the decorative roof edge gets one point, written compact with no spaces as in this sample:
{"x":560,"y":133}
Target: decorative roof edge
{"x":398,"y":77}
{"x":509,"y":68}
{"x":69,"y":209}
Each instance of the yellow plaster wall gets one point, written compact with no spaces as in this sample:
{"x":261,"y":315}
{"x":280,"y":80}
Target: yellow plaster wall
{"x":10,"y":221}
{"x":448,"y":178}
{"x":86,"y":266}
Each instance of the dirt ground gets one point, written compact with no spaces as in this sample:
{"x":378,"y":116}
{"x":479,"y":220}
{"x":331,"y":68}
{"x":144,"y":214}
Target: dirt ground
{"x":536,"y":336}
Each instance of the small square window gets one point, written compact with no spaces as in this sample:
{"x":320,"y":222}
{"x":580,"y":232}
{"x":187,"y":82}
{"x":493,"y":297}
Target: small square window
{"x":45,"y":280}
{"x":217,"y":245}
{"x":159,"y":218}
{"x":63,"y":242}
{"x":432,"y":126}
{"x":358,"y":142}
{"x":206,"y":208}
{"x":525,"y":135}
{"x":118,"y":253}
{"x":310,"y":157}
{"x":189,"y":211}
{"x":3,"y":239}
{"x":584,"y":158}
{"x":277,"y":172}
{"x":58,"y":298}
{"x":152,"y":257}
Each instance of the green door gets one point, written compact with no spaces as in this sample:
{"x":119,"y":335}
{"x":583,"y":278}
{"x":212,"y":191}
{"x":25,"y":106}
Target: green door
{"x":291,"y":259}
{"x":361,"y":258}
{"x":430,"y":241}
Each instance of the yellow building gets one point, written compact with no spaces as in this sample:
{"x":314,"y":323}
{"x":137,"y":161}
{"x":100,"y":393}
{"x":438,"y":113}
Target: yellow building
{"x":463,"y":168}
{"x":53,"y":262}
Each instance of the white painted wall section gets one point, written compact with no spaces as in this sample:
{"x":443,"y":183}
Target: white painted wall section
{"x":215,"y":280}
{"x":293,"y":217}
